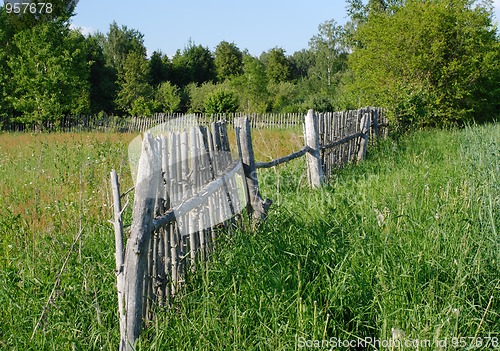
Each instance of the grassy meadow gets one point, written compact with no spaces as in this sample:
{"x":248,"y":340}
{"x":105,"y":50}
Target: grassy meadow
{"x":404,"y":245}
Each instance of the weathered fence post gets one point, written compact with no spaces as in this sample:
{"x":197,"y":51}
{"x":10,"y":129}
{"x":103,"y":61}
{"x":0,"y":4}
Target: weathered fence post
{"x":119,"y":255}
{"x":365,"y":130}
{"x":311,"y":138}
{"x":136,"y":253}
{"x":256,"y":206}
{"x":375,"y":122}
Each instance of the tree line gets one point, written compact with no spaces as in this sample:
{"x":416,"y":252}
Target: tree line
{"x":428,"y":62}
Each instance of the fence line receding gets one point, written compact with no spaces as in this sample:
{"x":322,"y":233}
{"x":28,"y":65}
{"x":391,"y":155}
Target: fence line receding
{"x":188,"y":187}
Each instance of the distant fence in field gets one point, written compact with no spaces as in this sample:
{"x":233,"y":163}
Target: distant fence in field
{"x":188,"y":187}
{"x":84,"y":123}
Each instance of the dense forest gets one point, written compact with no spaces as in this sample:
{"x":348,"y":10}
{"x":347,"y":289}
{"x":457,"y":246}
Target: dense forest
{"x":429,"y":62}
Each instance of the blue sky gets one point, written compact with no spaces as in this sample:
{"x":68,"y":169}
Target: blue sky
{"x":256,"y":25}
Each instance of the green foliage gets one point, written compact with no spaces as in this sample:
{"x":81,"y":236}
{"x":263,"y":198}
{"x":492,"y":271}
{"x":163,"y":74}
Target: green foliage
{"x":200,"y":64}
{"x":330,"y":55}
{"x":195,"y":65}
{"x":168,"y":98}
{"x":108,"y":54}
{"x":431,"y":63}
{"x":283,"y":96}
{"x":5,"y":38}
{"x":61,"y":11}
{"x":197,"y":96}
{"x":136,"y":94}
{"x":221,"y":101}
{"x":301,"y":62}
{"x":119,"y":43}
{"x":428,"y":62}
{"x":141,"y":107}
{"x":252,"y":85}
{"x":278,"y":67}
{"x":50,"y":72}
{"x":228,"y":60}
{"x":102,"y":78}
{"x":158,"y":69}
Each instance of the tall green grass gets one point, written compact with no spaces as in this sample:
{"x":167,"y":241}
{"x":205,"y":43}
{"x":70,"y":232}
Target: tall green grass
{"x":404,"y":243}
{"x":53,"y":187}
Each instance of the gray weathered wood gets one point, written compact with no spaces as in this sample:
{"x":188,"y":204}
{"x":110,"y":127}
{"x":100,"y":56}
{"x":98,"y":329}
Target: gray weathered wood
{"x":119,"y":257}
{"x":314,"y":170}
{"x":256,"y":206}
{"x":283,"y":159}
{"x":136,"y":253}
{"x":341,"y":141}
{"x":200,"y":198}
{"x":365,"y":129}
{"x":194,"y":183}
{"x":195,"y":190}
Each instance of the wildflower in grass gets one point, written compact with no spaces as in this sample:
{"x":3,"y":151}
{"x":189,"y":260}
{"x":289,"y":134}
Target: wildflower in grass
{"x":380,"y":217}
{"x":397,"y":334}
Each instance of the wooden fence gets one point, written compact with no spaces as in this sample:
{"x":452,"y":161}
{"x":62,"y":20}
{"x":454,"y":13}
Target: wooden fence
{"x":343,"y":135}
{"x":84,"y":123}
{"x":188,"y":186}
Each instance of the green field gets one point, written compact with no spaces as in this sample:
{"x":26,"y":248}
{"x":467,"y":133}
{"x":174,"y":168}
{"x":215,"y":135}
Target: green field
{"x":405,"y":244}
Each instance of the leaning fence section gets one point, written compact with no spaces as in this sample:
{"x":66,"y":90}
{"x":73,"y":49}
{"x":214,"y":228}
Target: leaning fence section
{"x":187,"y":187}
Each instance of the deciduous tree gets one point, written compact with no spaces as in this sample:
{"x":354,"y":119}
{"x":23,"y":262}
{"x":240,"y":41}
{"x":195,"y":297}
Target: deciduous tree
{"x":194,"y":65}
{"x":228,"y":60}
{"x":134,"y":87}
{"x":221,"y":101}
{"x":278,"y":68}
{"x":50,"y":71}
{"x":119,"y":43}
{"x":430,"y":62}
{"x":5,"y":38}
{"x":301,"y":61}
{"x":158,"y":68}
{"x":102,"y":77}
{"x":252,"y":85}
{"x":168,"y":98}
{"x":329,"y":49}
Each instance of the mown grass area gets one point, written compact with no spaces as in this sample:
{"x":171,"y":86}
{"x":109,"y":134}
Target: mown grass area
{"x":405,"y":243}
